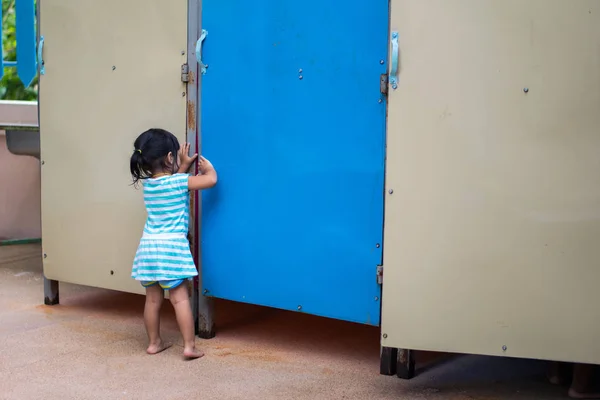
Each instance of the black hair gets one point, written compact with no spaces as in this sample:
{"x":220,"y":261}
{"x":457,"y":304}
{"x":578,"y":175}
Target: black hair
{"x":150,"y":153}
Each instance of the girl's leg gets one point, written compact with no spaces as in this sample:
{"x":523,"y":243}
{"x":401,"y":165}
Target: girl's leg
{"x":556,"y":373}
{"x":181,"y":302}
{"x":582,"y":380}
{"x":154,"y":298}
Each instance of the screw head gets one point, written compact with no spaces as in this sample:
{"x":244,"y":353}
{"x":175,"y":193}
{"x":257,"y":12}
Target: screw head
{"x":385,"y":335}
{"x":378,"y":245}
{"x":381,"y":62}
{"x":300,"y":77}
{"x":504,"y":348}
{"x":299,"y":308}
{"x":391,"y":191}
{"x":380,"y":101}
{"x":300,"y":71}
{"x":182,"y":53}
{"x":376,"y":298}
{"x":394,"y":86}
{"x":205,"y":291}
{"x":113,"y":67}
{"x":43,"y":162}
{"x":182,"y":94}
{"x":526,"y":90}
{"x":45,"y":255}
{"x":112,"y":272}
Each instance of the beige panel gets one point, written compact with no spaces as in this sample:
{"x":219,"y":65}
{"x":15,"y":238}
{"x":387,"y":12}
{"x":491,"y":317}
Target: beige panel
{"x":90,"y":114}
{"x":492,"y":233}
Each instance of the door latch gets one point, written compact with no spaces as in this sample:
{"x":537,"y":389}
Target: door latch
{"x":380,"y":274}
{"x":383,"y":84}
{"x":185,"y":73}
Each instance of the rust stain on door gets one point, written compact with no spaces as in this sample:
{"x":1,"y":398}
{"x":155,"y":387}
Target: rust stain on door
{"x":191,"y":115}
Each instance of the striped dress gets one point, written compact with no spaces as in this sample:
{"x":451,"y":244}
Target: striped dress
{"x":164,"y":251}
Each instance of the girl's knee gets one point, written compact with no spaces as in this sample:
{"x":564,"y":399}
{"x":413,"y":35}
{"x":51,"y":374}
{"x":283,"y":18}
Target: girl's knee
{"x":154,"y":294}
{"x":179,"y":294}
{"x":154,"y":299}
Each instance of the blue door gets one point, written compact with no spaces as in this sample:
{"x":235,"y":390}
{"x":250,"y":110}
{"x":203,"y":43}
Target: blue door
{"x":294,"y":122}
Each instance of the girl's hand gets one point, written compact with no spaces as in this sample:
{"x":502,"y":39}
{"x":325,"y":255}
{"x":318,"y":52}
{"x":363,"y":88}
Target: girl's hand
{"x":207,"y":177}
{"x":204,"y":165}
{"x":186,"y":160}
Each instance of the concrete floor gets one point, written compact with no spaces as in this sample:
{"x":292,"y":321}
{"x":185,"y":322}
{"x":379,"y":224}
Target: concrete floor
{"x":92,"y":347}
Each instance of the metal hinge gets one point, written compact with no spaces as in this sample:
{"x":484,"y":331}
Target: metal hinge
{"x":383,"y":84}
{"x":185,"y":73}
{"x":380,"y":274}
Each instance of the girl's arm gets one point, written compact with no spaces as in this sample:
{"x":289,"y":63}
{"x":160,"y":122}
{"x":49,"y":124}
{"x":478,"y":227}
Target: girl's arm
{"x":208,"y":178}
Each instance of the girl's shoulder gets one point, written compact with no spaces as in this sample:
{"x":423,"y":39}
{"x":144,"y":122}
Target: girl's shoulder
{"x":168,"y":182}
{"x":168,"y":179}
{"x":177,"y":177}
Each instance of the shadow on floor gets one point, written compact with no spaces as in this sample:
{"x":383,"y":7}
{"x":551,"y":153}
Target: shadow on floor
{"x":304,"y":338}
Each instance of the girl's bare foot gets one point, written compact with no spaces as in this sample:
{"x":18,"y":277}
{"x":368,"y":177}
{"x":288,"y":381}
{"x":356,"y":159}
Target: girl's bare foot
{"x":556,"y":380}
{"x":578,"y":395}
{"x":157,"y":347}
{"x":192,"y":354}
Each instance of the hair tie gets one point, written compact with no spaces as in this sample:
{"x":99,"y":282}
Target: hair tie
{"x":139,"y":151}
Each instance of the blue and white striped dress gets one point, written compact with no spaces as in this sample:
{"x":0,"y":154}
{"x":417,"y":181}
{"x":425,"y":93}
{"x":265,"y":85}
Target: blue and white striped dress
{"x":164,"y":251}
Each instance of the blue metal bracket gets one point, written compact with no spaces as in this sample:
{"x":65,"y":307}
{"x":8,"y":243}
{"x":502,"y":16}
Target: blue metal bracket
{"x":41,"y":56}
{"x":394,"y":68}
{"x":25,"y":36}
{"x":203,"y":66}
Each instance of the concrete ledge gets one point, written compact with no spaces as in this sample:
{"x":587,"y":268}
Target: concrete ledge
{"x":15,"y":114}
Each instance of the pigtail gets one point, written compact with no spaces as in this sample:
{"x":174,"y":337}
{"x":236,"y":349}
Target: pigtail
{"x":139,"y":168}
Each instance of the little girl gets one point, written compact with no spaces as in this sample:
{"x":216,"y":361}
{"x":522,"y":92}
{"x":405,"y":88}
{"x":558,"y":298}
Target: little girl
{"x":163,"y":260}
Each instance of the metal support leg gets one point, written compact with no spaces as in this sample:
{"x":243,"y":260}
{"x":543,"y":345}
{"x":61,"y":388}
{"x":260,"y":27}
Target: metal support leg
{"x":50,"y":292}
{"x":406,"y":364}
{"x":389,"y":361}
{"x":205,"y":327}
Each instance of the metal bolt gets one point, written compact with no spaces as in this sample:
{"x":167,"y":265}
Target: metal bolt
{"x":376,"y":298}
{"x":300,"y":71}
{"x":504,"y":348}
{"x":299,"y":308}
{"x":114,"y":68}
{"x":385,"y":335}
{"x":381,"y":62}
{"x":391,"y":191}
{"x":112,"y":272}
{"x":300,"y":77}
{"x":378,"y":245}
{"x":45,"y":255}
{"x":205,"y":291}
{"x":43,"y":162}
{"x":526,"y":90}
{"x":183,"y":94}
{"x":182,"y":53}
{"x":394,"y":86}
{"x":380,"y":101}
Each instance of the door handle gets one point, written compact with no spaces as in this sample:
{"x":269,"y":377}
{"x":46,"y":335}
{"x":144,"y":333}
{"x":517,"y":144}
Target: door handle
{"x":203,"y":66}
{"x":394,"y":67}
